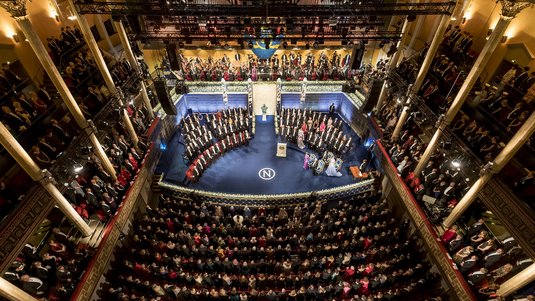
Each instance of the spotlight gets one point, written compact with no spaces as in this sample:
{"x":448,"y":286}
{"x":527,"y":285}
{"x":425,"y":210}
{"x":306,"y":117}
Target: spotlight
{"x":307,"y":46}
{"x":456,"y":163}
{"x":284,"y":45}
{"x":77,"y":167}
{"x":250,"y":45}
{"x":86,"y":150}
{"x":181,"y":44}
{"x":315,"y":45}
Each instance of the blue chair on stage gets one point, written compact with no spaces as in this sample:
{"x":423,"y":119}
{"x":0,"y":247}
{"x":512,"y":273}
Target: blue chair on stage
{"x":319,"y":168}
{"x":327,"y":157}
{"x":338,"y":163}
{"x":312,"y":160}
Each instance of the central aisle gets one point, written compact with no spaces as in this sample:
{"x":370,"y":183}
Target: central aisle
{"x":238,"y":170}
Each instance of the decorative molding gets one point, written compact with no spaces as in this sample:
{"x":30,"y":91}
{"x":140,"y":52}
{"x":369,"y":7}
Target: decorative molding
{"x":511,"y":8}
{"x":100,"y":261}
{"x":17,"y":8}
{"x":267,"y":200}
{"x":512,"y":212}
{"x":433,"y":245}
{"x":21,"y":224}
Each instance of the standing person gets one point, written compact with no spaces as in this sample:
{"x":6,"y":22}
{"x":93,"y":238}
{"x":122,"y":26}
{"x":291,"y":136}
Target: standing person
{"x":300,"y":138}
{"x":332,"y":109}
{"x":331,"y":169}
{"x":305,"y":163}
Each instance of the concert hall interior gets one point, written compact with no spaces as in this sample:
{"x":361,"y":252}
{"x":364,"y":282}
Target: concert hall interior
{"x":267,"y":150}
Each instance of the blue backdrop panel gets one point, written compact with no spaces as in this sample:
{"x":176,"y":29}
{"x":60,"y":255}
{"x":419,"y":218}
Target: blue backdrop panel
{"x":316,"y":101}
{"x":321,"y":102}
{"x":211,"y":103}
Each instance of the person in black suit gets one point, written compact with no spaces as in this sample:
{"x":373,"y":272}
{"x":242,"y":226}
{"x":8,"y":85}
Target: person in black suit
{"x":519,"y":79}
{"x":43,"y":94}
{"x":475,"y":228}
{"x":16,"y":123}
{"x":332,"y":109}
{"x":39,"y":271}
{"x":33,"y":285}
{"x":468,"y":264}
{"x":476,"y":277}
{"x":493,"y":257}
{"x":13,"y":79}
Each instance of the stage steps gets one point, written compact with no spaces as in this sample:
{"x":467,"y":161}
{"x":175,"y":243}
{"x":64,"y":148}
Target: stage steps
{"x":155,"y":180}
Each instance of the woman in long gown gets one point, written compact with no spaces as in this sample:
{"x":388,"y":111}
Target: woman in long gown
{"x":305,"y":163}
{"x":331,"y":169}
{"x":300,"y":138}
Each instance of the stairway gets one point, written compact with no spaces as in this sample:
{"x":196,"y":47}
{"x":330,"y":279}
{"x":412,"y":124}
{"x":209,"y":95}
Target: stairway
{"x":155,"y":187}
{"x":92,"y":240}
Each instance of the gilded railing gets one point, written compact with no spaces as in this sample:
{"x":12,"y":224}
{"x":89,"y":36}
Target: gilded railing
{"x":431,"y":240}
{"x":268,"y":200}
{"x":100,"y":260}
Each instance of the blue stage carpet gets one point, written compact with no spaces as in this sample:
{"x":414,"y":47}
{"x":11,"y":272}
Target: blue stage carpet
{"x":238,"y":170}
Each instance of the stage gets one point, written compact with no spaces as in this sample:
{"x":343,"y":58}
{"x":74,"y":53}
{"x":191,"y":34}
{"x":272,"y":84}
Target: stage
{"x":255,"y":169}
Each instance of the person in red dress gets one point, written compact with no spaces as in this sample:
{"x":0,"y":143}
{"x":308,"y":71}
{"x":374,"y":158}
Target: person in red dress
{"x":449,"y":234}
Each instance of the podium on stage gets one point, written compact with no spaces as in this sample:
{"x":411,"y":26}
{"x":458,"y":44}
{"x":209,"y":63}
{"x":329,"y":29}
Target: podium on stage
{"x":281,"y":149}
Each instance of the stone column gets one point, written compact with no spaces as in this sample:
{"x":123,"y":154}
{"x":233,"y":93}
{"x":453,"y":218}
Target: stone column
{"x":13,"y":293}
{"x":99,"y":59}
{"x":393,"y":64}
{"x":103,"y":31}
{"x":416,"y":32}
{"x":17,"y":9}
{"x":133,"y":61}
{"x":517,"y":282}
{"x":42,"y":176}
{"x":458,"y":12}
{"x":382,"y":96}
{"x":395,"y":58}
{"x":508,"y":152}
{"x":433,"y":48}
{"x":509,"y":11}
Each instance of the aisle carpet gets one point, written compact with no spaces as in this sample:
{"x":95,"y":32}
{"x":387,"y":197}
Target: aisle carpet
{"x":238,"y":170}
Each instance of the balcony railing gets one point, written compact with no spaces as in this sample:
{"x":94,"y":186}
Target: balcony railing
{"x":425,"y":228}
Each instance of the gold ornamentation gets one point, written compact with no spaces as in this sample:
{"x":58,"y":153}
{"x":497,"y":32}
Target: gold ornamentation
{"x":16,"y":8}
{"x":511,"y":8}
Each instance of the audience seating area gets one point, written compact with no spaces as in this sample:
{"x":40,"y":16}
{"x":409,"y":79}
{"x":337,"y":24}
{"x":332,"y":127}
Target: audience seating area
{"x":351,"y":249}
{"x":483,"y":259}
{"x":53,"y":268}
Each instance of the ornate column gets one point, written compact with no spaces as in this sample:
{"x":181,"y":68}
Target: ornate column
{"x":104,"y":33}
{"x":133,"y":61}
{"x":99,"y":59}
{"x":416,"y":32}
{"x":458,"y":12}
{"x":13,"y":293}
{"x":17,"y":9}
{"x":517,"y":282}
{"x":508,"y":152}
{"x":395,"y":58}
{"x":42,"y":176}
{"x":509,"y":11}
{"x":433,"y":48}
{"x":393,"y":64}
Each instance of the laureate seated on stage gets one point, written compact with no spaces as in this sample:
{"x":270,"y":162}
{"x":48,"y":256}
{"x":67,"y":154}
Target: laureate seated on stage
{"x":321,"y":131}
{"x":208,"y":136}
